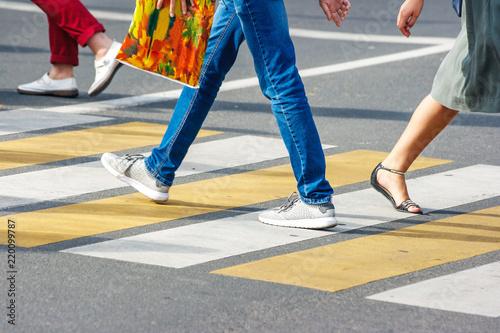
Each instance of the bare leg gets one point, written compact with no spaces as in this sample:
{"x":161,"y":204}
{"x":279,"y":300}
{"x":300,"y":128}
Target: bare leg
{"x":61,"y":71}
{"x":428,"y":120}
{"x":99,"y":43}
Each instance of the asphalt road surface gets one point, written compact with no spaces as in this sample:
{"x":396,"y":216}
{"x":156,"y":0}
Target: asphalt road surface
{"x":89,"y":254}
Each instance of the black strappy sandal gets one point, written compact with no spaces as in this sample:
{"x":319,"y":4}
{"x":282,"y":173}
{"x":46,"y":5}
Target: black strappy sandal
{"x":403,"y":207}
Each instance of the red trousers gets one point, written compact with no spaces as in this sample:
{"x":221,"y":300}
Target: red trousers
{"x":70,"y":24}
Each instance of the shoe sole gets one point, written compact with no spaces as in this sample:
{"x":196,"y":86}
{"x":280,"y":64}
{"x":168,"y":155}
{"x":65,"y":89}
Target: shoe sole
{"x":318,"y":223}
{"x":106,"y":81}
{"x":156,"y":196}
{"x":58,"y":93}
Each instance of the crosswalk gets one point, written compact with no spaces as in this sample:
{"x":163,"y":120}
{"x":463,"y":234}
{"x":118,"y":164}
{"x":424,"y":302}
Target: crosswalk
{"x":187,"y":200}
{"x":61,"y":174}
{"x":26,"y":120}
{"x":72,"y":180}
{"x":473,"y":291}
{"x":238,"y":235}
{"x":356,"y":262}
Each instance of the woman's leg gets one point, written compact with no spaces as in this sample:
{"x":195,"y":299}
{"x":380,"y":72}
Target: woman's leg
{"x":99,"y":43}
{"x":63,"y":48}
{"x":428,"y":120}
{"x":61,"y":71}
{"x":70,"y":24}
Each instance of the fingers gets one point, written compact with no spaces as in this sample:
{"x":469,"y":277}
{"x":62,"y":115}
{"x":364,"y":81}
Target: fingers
{"x":412,"y":21}
{"x":172,"y":7}
{"x":405,"y":23}
{"x":336,"y":19}
{"x":326,"y":10}
{"x":183,"y":7}
{"x":338,"y":14}
{"x":409,"y":24}
{"x":402,"y":21}
{"x":346,"y":6}
{"x":343,"y":11}
{"x":408,"y":14}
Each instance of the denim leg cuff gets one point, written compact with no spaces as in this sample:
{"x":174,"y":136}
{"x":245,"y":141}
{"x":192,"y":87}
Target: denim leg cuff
{"x":155,"y":175}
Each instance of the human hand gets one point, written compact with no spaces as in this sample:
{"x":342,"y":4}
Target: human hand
{"x":159,"y":4}
{"x":408,"y":14}
{"x":335,"y":10}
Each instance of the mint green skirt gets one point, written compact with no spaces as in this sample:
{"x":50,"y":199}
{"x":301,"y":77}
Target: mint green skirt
{"x":469,"y":76}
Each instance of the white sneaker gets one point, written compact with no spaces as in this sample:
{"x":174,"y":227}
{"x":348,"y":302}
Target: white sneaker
{"x":298,"y":214}
{"x":46,"y":86}
{"x":105,"y":69}
{"x":132,"y":170}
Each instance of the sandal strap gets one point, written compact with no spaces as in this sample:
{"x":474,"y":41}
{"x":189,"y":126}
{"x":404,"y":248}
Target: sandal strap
{"x":391,"y":170}
{"x":407,"y":204}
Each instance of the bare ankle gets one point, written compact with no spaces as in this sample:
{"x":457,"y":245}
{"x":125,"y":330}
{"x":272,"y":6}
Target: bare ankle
{"x":101,"y":53}
{"x":61,"y":72}
{"x":394,"y":183}
{"x":99,"y":44}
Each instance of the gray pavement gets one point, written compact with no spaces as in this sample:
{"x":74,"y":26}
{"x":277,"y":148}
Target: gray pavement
{"x":365,"y":108}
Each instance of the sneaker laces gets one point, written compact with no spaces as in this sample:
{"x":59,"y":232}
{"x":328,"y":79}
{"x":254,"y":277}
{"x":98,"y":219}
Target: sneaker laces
{"x":133,"y":157}
{"x":290,"y":203}
{"x":136,"y":157}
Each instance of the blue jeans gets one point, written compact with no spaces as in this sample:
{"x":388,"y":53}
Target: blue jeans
{"x":263,"y":24}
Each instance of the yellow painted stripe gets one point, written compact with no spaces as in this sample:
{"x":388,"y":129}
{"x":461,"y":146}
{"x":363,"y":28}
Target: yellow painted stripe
{"x":61,"y":146}
{"x":356,"y":262}
{"x":192,"y":199}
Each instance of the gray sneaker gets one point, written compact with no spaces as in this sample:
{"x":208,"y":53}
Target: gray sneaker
{"x":132,"y":170}
{"x":298,"y":214}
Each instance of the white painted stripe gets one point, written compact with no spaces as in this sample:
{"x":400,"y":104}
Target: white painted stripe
{"x":204,"y":242}
{"x":232,"y":152}
{"x":323,"y":70}
{"x":368,"y":38}
{"x":24,"y":120}
{"x":23,"y":7}
{"x":99,"y":14}
{"x":117,"y":103}
{"x":294,"y":32}
{"x":475,"y":291}
{"x":52,"y":184}
{"x":252,"y":82}
{"x":199,"y":243}
{"x":62,"y":182}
